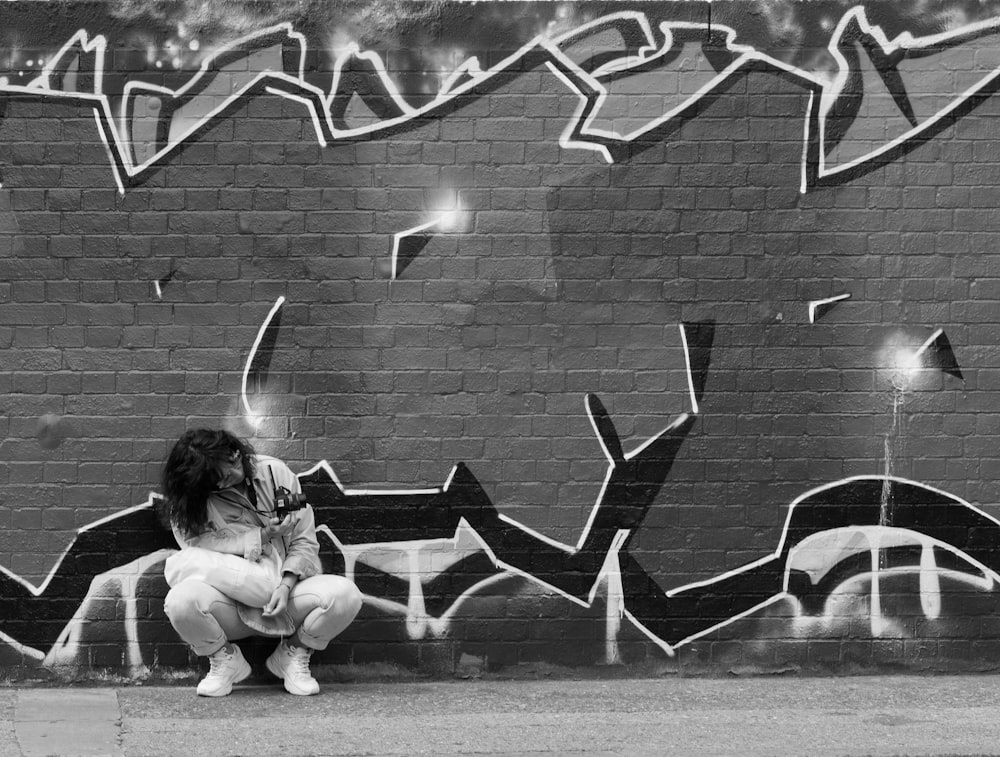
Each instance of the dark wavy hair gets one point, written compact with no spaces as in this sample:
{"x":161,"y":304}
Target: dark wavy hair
{"x":191,"y":474}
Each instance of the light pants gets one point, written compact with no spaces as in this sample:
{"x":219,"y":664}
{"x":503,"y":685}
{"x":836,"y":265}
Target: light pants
{"x":321,"y":607}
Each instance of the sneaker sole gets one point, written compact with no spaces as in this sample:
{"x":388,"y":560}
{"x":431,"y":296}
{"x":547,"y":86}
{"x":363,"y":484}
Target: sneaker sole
{"x":276,"y":672}
{"x":241,"y":676}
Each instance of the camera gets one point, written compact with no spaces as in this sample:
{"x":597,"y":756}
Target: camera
{"x":286,"y":502}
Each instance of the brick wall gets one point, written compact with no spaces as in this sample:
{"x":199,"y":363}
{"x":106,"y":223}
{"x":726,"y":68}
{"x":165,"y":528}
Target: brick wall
{"x":669,"y":346}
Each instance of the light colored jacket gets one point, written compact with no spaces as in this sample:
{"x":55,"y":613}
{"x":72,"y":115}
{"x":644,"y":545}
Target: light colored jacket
{"x":234,"y":527}
{"x":234,"y":524}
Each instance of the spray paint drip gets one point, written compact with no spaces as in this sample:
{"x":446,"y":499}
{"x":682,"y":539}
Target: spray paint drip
{"x":819,"y":555}
{"x":904,"y":366}
{"x":893,"y":447}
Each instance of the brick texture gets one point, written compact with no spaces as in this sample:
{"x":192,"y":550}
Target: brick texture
{"x":457,"y":280}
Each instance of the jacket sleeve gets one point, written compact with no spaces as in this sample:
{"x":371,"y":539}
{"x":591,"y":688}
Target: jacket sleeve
{"x":302,"y":546}
{"x":234,"y":539}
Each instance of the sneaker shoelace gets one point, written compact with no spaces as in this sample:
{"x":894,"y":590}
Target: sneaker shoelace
{"x":217,"y":662}
{"x":300,"y":662}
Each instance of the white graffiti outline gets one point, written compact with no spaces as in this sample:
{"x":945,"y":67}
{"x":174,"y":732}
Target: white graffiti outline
{"x":905,"y":41}
{"x":815,"y":305}
{"x":584,"y":84}
{"x":926,"y":345}
{"x":690,"y":374}
{"x":206,"y":68}
{"x":115,"y":137}
{"x":111,"y":157}
{"x":877,"y":538}
{"x":314,"y":115}
{"x":67,"y":649}
{"x":98,"y":45}
{"x":469,"y":69}
{"x":453,"y":542}
{"x":121,"y":161}
{"x":399,"y":236}
{"x":744,"y":54}
{"x":38,"y":590}
{"x":781,"y":546}
{"x":353,"y":51}
{"x":555,"y":58}
{"x":580,"y":32}
{"x":583,"y":108}
{"x":804,"y":170}
{"x":251,"y":416}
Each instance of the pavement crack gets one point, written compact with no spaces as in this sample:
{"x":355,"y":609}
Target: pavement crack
{"x":119,"y":724}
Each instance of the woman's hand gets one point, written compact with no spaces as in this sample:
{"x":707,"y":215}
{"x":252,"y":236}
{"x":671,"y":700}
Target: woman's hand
{"x":278,"y":602}
{"x":276,"y":527}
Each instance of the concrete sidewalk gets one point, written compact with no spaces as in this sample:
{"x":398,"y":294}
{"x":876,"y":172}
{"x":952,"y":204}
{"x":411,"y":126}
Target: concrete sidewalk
{"x":940,"y":715}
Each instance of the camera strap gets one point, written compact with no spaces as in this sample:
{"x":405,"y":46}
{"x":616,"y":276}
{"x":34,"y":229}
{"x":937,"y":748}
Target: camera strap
{"x":243,"y":502}
{"x":252,"y":493}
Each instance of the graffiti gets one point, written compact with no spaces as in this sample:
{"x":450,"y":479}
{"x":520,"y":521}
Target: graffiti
{"x":936,"y":352}
{"x":874,"y":71}
{"x":633,"y":288}
{"x":819,"y":308}
{"x":850,"y":126}
{"x":406,"y":245}
{"x":816,"y":554}
{"x":442,"y":546}
{"x":631,"y":485}
{"x":125,"y":546}
{"x":154,"y":118}
{"x":363,"y":101}
{"x":256,"y":369}
{"x":434,"y":518}
{"x":839,"y":532}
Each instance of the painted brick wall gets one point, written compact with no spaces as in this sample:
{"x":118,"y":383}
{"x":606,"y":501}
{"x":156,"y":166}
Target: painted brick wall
{"x":634,"y":335}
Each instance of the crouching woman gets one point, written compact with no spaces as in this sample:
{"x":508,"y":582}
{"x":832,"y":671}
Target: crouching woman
{"x":242,"y":570}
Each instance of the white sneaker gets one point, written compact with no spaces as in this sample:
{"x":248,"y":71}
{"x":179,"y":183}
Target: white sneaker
{"x":226,"y":668}
{"x":292,"y":664}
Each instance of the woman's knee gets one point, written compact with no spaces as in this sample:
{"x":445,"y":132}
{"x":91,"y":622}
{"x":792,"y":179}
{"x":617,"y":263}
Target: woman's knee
{"x":353,"y":597}
{"x":187,"y":596}
{"x":339,"y":593}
